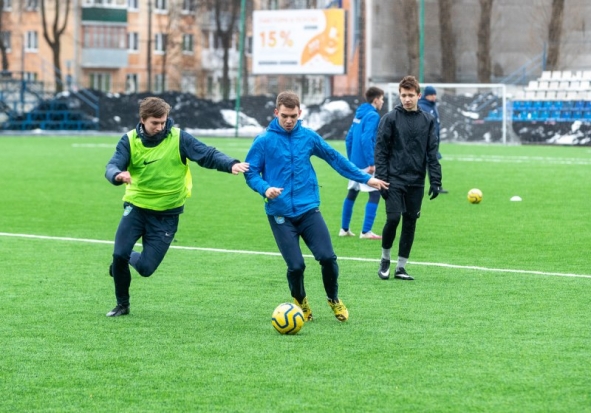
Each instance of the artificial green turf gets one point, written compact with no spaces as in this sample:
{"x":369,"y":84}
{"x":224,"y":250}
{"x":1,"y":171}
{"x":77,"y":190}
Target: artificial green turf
{"x":199,"y":336}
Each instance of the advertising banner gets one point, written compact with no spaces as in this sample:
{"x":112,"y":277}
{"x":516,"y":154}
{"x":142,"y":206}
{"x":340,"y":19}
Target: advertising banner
{"x":301,"y":42}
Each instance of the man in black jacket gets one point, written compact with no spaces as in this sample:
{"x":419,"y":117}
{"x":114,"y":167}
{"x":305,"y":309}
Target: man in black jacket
{"x":406,"y":147}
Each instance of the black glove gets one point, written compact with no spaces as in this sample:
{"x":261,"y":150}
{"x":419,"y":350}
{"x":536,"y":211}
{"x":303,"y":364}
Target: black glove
{"x":384,"y":193}
{"x":434,"y":191}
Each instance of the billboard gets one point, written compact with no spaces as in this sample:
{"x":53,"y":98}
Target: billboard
{"x":303,"y":42}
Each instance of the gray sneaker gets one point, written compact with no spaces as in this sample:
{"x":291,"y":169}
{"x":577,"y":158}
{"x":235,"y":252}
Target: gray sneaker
{"x":401,"y":274}
{"x":384,"y":271}
{"x":119,"y":310}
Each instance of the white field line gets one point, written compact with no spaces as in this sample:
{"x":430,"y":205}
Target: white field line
{"x":518,"y":159}
{"x":276,"y":254}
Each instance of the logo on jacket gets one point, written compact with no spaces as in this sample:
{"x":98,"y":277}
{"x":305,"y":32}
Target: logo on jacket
{"x":149,"y":162}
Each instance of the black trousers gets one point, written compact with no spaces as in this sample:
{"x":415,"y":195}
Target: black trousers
{"x":311,"y":228}
{"x":402,"y":202}
{"x":156,"y":231}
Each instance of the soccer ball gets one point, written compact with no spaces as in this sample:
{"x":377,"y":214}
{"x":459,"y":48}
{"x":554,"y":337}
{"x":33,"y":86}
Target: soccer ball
{"x":474,"y":196}
{"x":288,"y":318}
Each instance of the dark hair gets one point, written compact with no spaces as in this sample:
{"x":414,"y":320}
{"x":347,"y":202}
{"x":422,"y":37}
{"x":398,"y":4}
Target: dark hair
{"x":288,"y":99}
{"x":372,"y":93}
{"x":153,"y":107}
{"x":410,"y":82}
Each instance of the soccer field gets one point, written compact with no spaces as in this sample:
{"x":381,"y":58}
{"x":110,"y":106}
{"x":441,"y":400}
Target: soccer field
{"x":497,"y":319}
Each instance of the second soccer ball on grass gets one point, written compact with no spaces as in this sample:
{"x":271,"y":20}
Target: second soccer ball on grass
{"x":474,"y":196}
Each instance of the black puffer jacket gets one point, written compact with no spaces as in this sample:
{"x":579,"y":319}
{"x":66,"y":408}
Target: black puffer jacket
{"x":406,"y":146}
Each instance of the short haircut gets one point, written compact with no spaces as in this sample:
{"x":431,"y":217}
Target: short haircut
{"x":410,"y":82}
{"x":372,"y":93}
{"x":288,"y":99}
{"x":153,"y":107}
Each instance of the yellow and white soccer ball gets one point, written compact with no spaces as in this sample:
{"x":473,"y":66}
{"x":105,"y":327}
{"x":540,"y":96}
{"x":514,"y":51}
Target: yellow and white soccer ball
{"x":474,"y":196}
{"x":288,"y":318}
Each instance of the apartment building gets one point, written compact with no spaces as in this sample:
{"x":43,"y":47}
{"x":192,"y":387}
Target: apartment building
{"x":126,"y":46}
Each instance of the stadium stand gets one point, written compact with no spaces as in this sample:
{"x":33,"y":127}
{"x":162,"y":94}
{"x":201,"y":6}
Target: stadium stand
{"x":556,"y":96}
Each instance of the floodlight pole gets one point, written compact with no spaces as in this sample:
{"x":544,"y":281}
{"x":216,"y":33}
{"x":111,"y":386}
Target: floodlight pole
{"x":240,"y":64}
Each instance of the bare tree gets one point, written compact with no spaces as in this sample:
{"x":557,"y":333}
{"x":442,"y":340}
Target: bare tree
{"x":484,"y":65}
{"x":169,"y":29}
{"x":554,"y":34}
{"x":2,"y":45}
{"x":448,"y":42}
{"x":411,"y":18}
{"x":53,"y":38}
{"x":225,"y":14}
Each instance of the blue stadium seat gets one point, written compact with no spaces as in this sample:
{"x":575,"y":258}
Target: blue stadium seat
{"x":544,"y":115}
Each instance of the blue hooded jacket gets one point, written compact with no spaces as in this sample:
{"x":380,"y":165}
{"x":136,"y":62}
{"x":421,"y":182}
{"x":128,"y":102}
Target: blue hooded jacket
{"x":431,"y":109}
{"x":361,"y":139}
{"x":281,"y":159}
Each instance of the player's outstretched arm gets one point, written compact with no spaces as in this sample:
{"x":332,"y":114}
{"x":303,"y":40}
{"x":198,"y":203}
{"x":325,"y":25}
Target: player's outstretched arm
{"x":240,"y":167}
{"x":378,"y":183}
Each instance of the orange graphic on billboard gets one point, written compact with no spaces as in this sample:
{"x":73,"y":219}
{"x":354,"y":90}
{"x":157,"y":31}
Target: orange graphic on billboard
{"x":329,"y":45}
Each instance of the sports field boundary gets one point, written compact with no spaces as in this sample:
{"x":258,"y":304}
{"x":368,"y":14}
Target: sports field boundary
{"x":247,"y":252}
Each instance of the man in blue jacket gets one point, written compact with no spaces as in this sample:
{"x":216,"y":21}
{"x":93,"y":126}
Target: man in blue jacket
{"x":428,"y":103}
{"x":280,"y":170}
{"x":360,"y":143}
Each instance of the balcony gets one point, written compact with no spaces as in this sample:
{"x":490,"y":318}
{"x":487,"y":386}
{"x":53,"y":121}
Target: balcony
{"x":104,"y":58}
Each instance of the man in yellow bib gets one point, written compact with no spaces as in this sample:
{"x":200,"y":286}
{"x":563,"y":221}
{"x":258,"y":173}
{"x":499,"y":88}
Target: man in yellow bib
{"x":153,"y":161}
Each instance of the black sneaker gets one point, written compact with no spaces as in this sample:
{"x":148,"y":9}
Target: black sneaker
{"x":119,"y":310}
{"x":401,"y":274}
{"x":384,"y":271}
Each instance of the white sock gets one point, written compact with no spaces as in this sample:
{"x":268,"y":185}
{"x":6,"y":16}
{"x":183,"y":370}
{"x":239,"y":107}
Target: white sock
{"x":386,"y":254}
{"x":401,"y":263}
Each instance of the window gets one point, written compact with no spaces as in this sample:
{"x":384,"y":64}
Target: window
{"x":7,"y":5}
{"x":187,"y":43}
{"x":209,"y":85}
{"x":31,"y":4}
{"x":205,"y":39}
{"x":132,"y":4}
{"x":31,"y":41}
{"x":104,"y":37}
{"x":160,"y":6}
{"x":188,"y":81}
{"x":131,"y":83}
{"x":30,"y":77}
{"x":107,"y":3}
{"x":100,"y":81}
{"x":159,"y":86}
{"x":5,"y":39}
{"x":188,"y":6}
{"x":133,"y":43}
{"x":160,"y":43}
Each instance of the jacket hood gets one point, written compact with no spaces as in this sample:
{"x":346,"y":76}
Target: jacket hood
{"x":364,"y":109}
{"x":400,"y":108}
{"x":425,"y":101}
{"x":274,"y":126}
{"x":159,"y":137}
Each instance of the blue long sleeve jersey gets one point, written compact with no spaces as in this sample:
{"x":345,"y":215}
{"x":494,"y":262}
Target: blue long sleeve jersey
{"x":282,"y":159}
{"x":361,"y":138}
